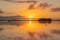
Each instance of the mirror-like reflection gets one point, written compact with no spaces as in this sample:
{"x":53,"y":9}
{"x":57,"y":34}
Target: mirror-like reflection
{"x":17,"y":23}
{"x":33,"y":26}
{"x":30,"y":30}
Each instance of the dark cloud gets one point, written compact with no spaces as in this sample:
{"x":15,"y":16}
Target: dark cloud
{"x":41,"y":5}
{"x":32,"y":6}
{"x":44,"y":5}
{"x":19,"y":1}
{"x":55,"y":9}
{"x":1,"y":11}
{"x":55,"y":31}
{"x":17,"y":17}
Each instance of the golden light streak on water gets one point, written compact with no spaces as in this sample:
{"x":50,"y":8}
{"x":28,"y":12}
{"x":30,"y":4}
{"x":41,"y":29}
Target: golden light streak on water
{"x":30,"y":22}
{"x":32,"y":26}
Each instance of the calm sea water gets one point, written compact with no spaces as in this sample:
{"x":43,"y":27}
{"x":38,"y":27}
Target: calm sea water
{"x":29,"y":30}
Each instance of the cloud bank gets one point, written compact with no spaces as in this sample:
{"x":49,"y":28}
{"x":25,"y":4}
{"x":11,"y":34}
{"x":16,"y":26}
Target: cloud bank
{"x":42,"y":5}
{"x":20,"y":1}
{"x":55,"y":9}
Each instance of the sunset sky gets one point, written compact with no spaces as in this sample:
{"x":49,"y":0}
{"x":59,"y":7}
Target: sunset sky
{"x":16,"y":8}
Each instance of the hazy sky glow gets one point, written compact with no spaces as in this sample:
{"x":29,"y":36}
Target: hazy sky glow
{"x":16,"y":8}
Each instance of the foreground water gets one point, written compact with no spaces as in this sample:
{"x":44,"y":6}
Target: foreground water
{"x":29,"y":30}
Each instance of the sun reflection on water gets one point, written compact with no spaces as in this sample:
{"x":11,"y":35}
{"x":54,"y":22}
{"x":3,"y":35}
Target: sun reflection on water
{"x":32,"y":26}
{"x":30,"y":22}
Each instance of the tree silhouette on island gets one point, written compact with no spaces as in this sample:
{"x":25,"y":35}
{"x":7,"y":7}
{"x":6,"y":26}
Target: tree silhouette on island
{"x":45,"y":20}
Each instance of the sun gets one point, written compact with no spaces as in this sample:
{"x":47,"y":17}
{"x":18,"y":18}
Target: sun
{"x":29,"y":14}
{"x":34,"y":13}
